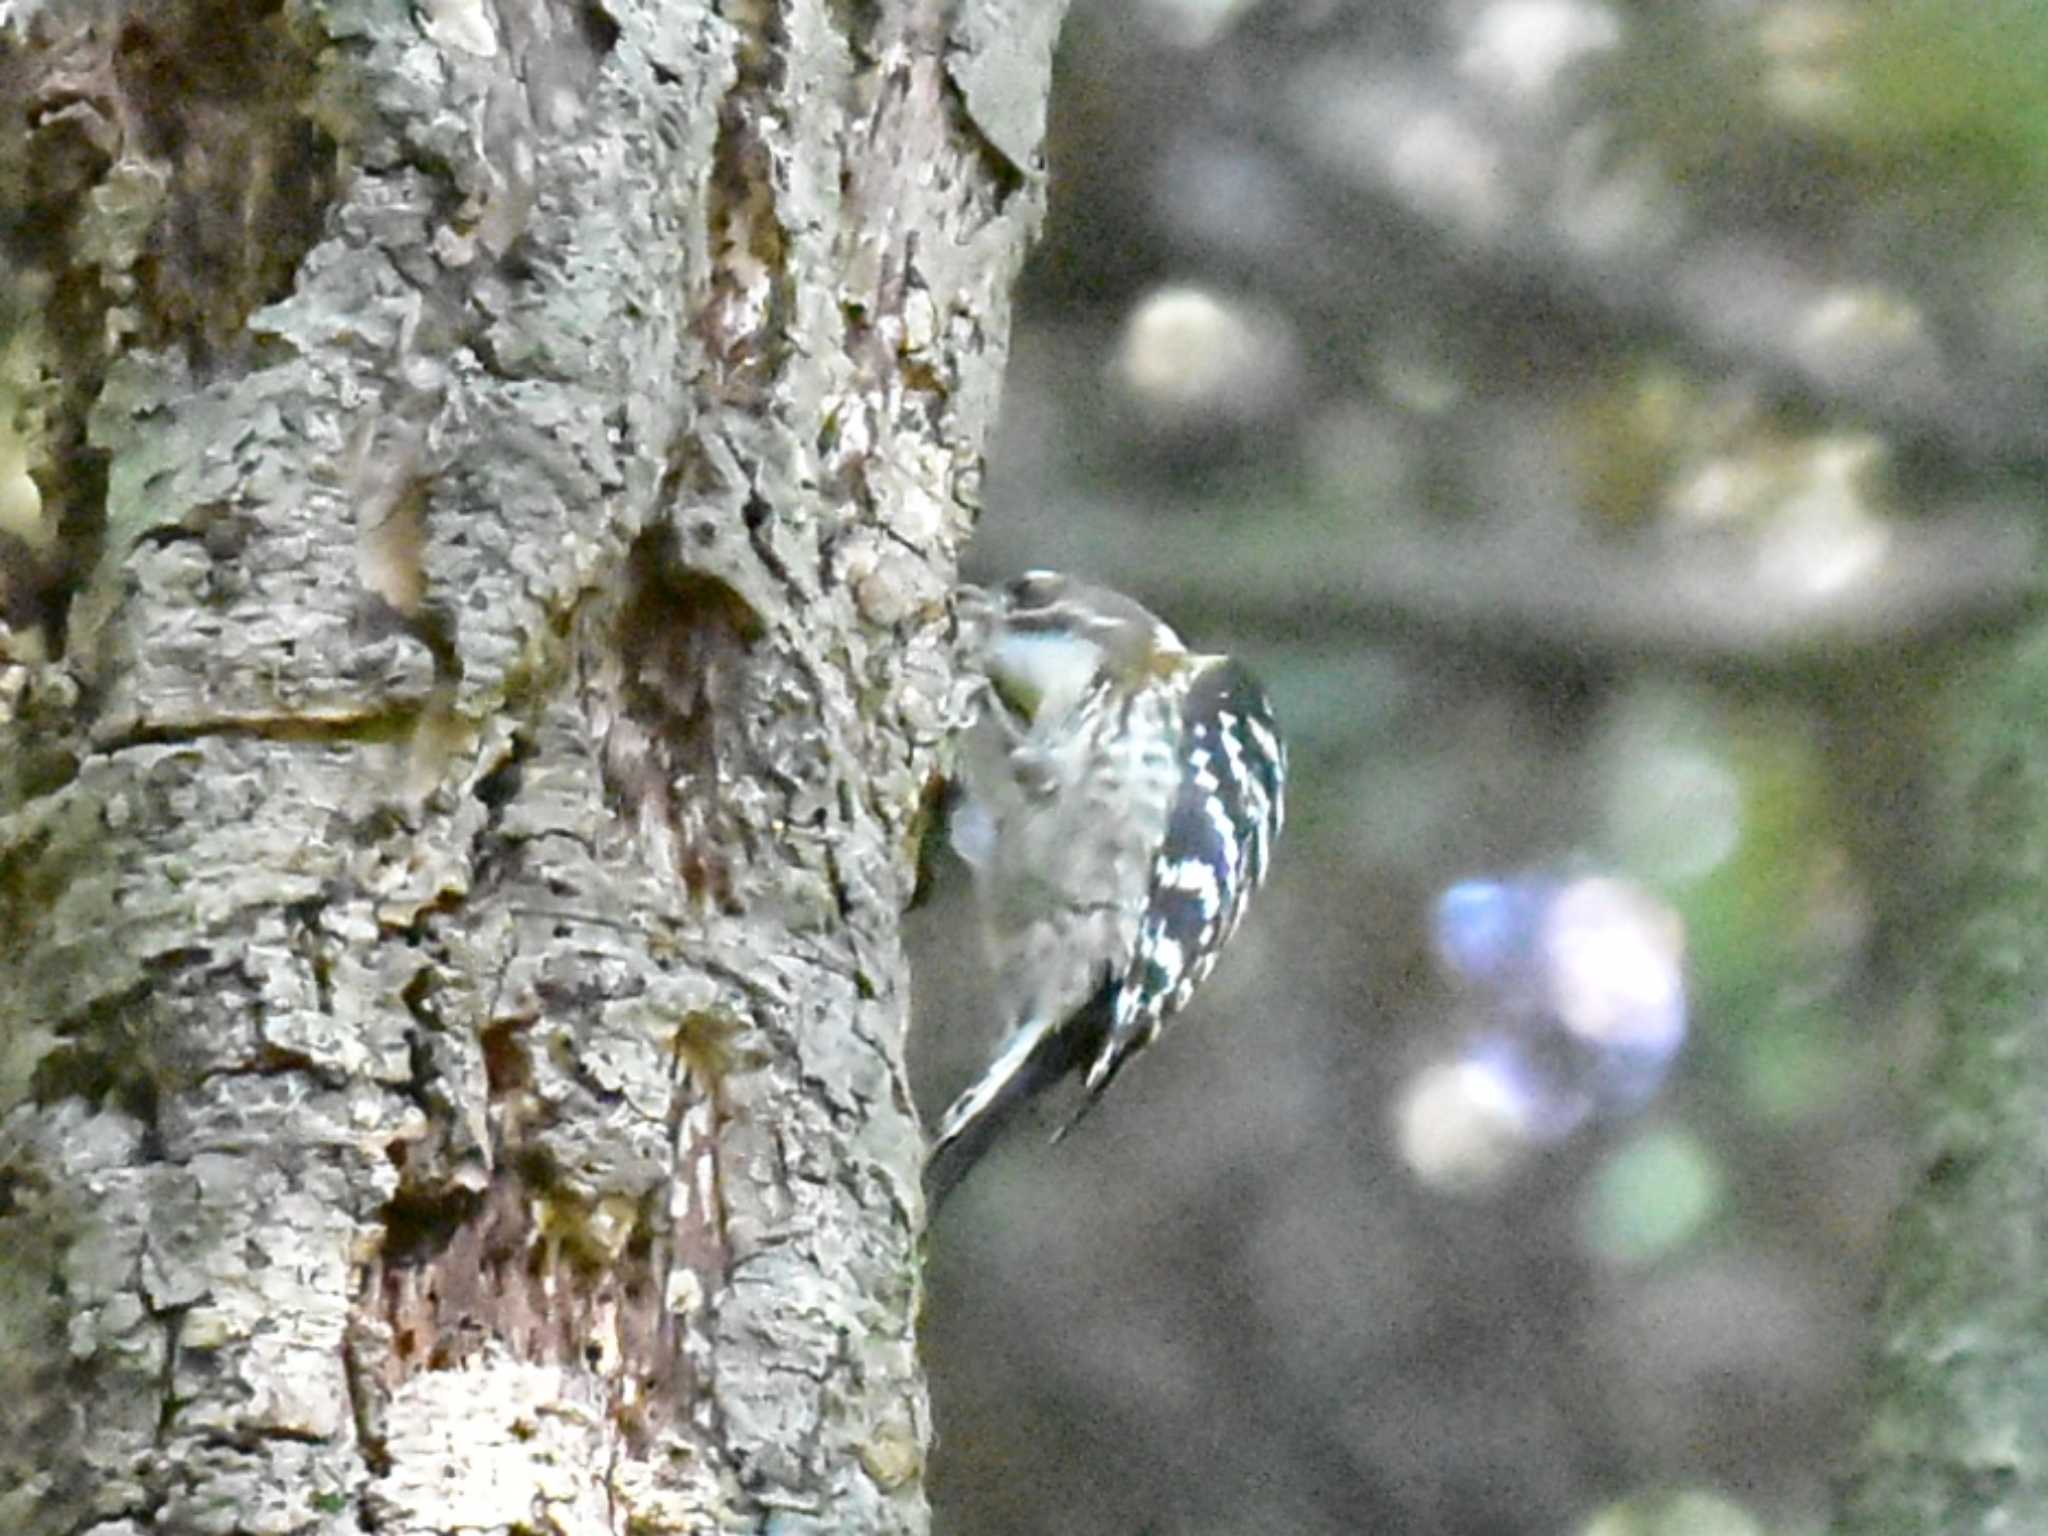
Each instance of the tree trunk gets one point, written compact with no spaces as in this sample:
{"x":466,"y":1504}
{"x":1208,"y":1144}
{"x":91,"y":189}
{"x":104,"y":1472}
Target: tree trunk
{"x":486,"y":476}
{"x":1959,"y":1418}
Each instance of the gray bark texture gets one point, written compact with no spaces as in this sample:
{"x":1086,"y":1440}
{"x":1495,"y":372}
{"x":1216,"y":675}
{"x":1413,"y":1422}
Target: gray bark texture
{"x":1958,"y":1435}
{"x":480,"y":484}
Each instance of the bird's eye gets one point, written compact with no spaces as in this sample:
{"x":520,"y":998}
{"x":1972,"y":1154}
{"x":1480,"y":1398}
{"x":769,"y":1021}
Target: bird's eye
{"x":1035,"y":589}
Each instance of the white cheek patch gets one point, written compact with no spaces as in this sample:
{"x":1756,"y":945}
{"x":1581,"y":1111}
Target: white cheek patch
{"x":1051,"y":671}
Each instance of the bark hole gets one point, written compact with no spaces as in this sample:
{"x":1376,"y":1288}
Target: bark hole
{"x":685,"y":640}
{"x":530,"y":1266}
{"x":600,"y":29}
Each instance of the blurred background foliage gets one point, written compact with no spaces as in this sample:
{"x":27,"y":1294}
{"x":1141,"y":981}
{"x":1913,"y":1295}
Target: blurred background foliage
{"x":1607,"y":428}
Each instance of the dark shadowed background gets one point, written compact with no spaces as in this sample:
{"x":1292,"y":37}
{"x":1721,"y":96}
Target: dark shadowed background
{"x":1604,"y":427}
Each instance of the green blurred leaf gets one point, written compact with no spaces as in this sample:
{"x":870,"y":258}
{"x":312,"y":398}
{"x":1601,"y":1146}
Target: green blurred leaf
{"x":1652,"y":1195}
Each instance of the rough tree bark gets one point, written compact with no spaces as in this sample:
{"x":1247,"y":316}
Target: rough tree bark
{"x":485,"y":477}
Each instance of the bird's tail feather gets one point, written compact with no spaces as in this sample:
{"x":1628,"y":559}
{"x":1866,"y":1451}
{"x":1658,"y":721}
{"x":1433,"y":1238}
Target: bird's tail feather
{"x":1038,"y":1053}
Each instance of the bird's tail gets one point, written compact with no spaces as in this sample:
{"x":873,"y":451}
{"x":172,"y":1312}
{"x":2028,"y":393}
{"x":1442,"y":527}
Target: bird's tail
{"x":1038,"y":1053}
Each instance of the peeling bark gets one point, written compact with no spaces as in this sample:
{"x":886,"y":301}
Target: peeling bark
{"x":475,"y":650}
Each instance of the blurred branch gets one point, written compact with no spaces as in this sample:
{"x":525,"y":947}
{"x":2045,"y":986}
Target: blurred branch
{"x":1546,"y":587}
